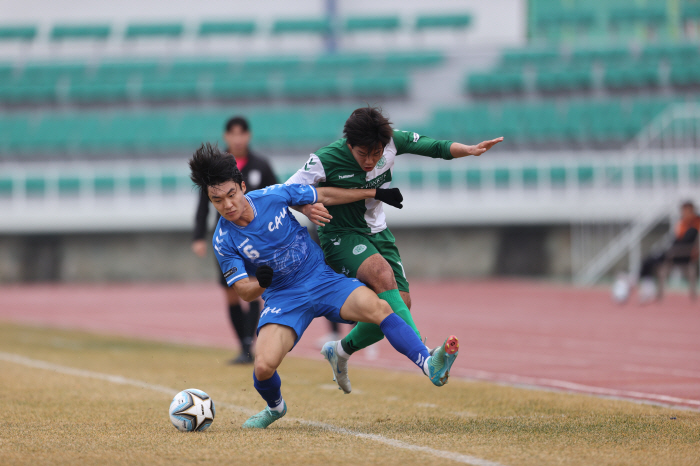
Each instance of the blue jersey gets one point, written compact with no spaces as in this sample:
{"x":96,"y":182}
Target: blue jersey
{"x":274,"y":237}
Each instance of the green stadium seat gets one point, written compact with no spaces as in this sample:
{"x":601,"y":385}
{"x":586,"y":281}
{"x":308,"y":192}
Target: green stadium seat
{"x":137,"y":31}
{"x":169,"y":89}
{"x":272,"y":64}
{"x":68,"y":185}
{"x":535,"y":57}
{"x":453,"y":21}
{"x":343,"y":61}
{"x":604,"y":55}
{"x":227,"y":28}
{"x":6,"y":187}
{"x":25,"y":33}
{"x":232,"y":87}
{"x":673,"y":52}
{"x":50,"y":73}
{"x":99,"y":90}
{"x":499,"y":82}
{"x":301,"y":26}
{"x":379,"y":86}
{"x":311,"y":87}
{"x":414,"y":59}
{"x":369,"y":23}
{"x":558,"y":80}
{"x":640,"y":15}
{"x":631,"y":76}
{"x":85,"y":31}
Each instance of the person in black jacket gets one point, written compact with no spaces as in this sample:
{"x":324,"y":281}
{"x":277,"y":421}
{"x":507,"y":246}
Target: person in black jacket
{"x":257,"y":174}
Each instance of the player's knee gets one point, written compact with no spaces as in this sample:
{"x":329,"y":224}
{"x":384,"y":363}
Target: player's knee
{"x":381,"y":277}
{"x":263,"y":369}
{"x":380,"y":310}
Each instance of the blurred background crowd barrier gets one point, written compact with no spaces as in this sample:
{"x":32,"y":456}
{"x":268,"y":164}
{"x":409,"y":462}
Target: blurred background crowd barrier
{"x":103,"y":102}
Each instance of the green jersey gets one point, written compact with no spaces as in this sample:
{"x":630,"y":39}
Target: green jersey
{"x":335,"y":166}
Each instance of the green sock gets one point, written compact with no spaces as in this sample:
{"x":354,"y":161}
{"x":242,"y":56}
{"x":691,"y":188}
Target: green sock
{"x":364,"y":334}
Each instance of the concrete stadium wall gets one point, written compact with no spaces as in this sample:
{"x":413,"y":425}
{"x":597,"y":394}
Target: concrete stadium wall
{"x":432,"y":253}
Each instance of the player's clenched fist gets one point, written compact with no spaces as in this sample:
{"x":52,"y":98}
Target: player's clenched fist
{"x":264,"y":275}
{"x":391,"y":196}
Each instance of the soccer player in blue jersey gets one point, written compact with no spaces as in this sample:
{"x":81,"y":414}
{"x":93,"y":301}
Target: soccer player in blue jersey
{"x":263,"y":251}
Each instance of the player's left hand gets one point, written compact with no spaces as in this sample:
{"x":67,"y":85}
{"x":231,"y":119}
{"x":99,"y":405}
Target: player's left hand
{"x":482,"y":147}
{"x":317,"y":213}
{"x":391,"y":196}
{"x":264,"y":275}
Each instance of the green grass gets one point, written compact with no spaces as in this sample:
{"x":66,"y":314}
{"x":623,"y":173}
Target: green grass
{"x":55,"y":418}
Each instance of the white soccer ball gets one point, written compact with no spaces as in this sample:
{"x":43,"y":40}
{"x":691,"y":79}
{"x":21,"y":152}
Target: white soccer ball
{"x":192,"y":410}
{"x":621,"y":290}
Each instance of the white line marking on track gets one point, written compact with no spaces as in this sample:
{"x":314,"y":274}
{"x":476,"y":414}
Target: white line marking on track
{"x":628,"y":395}
{"x":118,"y":379}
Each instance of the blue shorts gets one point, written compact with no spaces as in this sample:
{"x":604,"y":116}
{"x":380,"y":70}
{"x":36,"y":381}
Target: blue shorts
{"x":321,"y":293}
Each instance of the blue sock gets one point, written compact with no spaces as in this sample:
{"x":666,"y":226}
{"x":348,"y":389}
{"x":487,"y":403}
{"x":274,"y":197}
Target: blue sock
{"x":269,"y":389}
{"x":404,"y":339}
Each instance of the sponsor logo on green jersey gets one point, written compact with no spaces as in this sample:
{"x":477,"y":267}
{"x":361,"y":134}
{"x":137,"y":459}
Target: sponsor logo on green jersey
{"x":381,"y":162}
{"x":378,"y":181}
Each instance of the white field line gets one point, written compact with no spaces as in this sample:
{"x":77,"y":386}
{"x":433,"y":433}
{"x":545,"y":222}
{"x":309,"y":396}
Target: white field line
{"x":118,"y":379}
{"x":628,"y":395}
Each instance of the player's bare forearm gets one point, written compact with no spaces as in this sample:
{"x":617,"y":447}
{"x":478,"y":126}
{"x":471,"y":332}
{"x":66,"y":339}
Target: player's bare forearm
{"x":337,"y":196}
{"x":458,"y":150}
{"x":248,"y":289}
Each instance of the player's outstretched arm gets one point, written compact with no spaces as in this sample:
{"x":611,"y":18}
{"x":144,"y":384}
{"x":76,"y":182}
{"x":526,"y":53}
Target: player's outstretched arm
{"x":458,"y":150}
{"x":337,"y":196}
{"x":250,"y":290}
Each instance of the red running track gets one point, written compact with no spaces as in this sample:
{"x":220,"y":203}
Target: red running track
{"x":516,"y":332}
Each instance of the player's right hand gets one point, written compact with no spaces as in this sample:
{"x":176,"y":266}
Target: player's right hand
{"x":199,"y":247}
{"x":264,"y":275}
{"x":317,"y":213}
{"x":391,"y":196}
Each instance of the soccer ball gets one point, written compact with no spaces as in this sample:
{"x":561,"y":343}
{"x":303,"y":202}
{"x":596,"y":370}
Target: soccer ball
{"x":192,"y":410}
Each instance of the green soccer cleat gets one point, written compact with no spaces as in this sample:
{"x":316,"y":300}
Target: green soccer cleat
{"x":264,"y":418}
{"x":441,"y":361}
{"x":339,"y":366}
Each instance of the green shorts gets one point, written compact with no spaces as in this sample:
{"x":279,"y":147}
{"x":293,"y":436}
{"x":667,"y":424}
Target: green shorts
{"x":345,"y":252}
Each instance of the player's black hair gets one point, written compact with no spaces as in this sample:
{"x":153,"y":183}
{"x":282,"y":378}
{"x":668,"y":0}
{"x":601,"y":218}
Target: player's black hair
{"x":209,"y":167}
{"x":367,"y":127}
{"x":237,"y":121}
{"x":688,"y":204}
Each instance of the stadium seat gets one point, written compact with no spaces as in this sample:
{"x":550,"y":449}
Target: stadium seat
{"x":379,"y":86}
{"x":672,"y":52}
{"x":631,"y":76}
{"x":557,"y":80}
{"x":137,"y":31}
{"x":341,"y":62}
{"x":536,"y":57}
{"x":85,"y":31}
{"x":602,"y":55}
{"x":311,"y":87}
{"x":301,"y":26}
{"x":414,"y":59}
{"x":23,"y":33}
{"x":232,"y":87}
{"x":369,"y":23}
{"x":453,"y":21}
{"x":227,"y":28}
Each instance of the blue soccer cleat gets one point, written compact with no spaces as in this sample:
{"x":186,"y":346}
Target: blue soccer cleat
{"x":339,"y":366}
{"x":441,"y":361}
{"x":264,"y":418}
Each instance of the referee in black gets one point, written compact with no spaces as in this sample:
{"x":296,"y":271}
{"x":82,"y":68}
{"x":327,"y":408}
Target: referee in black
{"x":257,"y":174}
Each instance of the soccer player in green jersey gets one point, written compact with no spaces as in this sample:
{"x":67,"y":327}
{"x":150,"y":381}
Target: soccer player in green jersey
{"x":354,"y":237}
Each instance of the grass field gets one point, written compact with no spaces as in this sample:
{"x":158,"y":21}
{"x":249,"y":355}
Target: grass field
{"x":53,"y":415}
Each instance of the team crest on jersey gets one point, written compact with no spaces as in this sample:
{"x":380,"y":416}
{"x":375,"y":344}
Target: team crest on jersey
{"x":381,"y":162}
{"x":359,"y":249}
